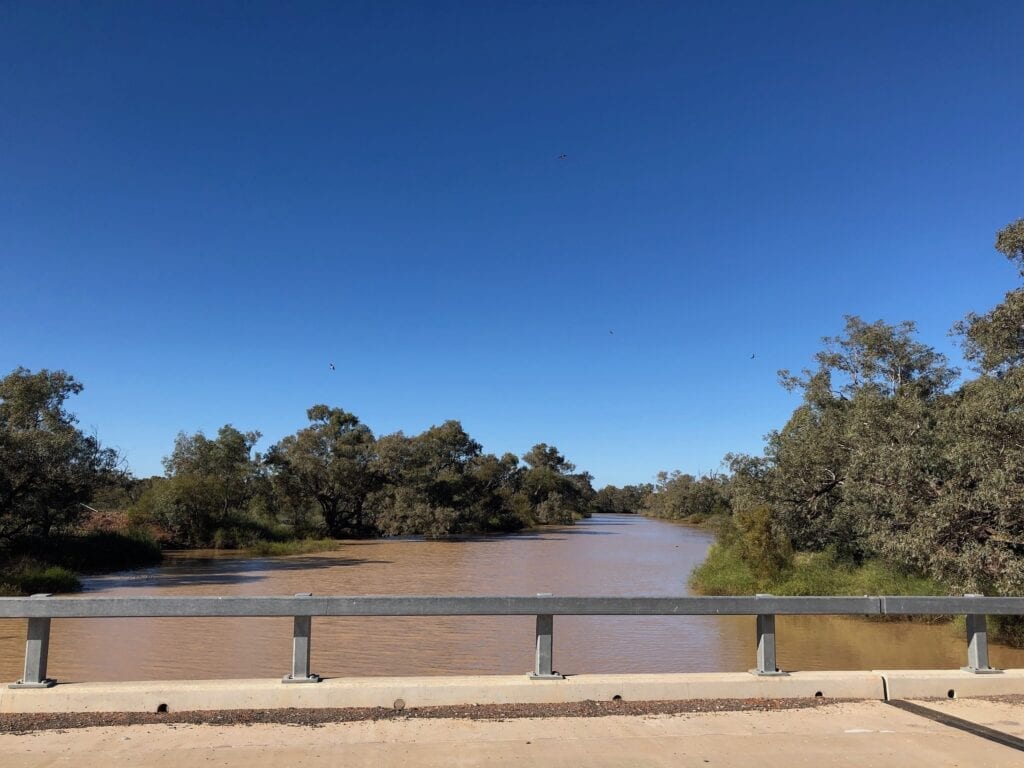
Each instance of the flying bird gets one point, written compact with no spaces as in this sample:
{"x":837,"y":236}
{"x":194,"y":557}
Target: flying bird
{"x":332,"y":366}
{"x":612,"y":332}
{"x":753,"y":356}
{"x":563,"y":157}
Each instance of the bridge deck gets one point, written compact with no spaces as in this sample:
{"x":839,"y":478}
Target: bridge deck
{"x":844,"y":734}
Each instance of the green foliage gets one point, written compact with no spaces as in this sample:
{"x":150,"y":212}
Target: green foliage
{"x":294,"y":547}
{"x":628,"y":500}
{"x":757,"y":540}
{"x":332,"y":462}
{"x":678,"y":496}
{"x":48,"y":467}
{"x":335,"y":477}
{"x":1007,"y":629}
{"x":1010,"y":243}
{"x":30,"y":578}
{"x":555,"y":492}
{"x":210,"y":487}
{"x":995,"y":340}
{"x":726,"y":571}
{"x":885,"y":478}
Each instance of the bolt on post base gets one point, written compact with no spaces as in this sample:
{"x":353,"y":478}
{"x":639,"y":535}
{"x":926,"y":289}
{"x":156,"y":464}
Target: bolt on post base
{"x":769,"y":673}
{"x":309,"y":679}
{"x":47,"y":683}
{"x":982,"y":671}
{"x":551,"y":676}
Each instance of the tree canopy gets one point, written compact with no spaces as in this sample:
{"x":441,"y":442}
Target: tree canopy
{"x":48,"y":466}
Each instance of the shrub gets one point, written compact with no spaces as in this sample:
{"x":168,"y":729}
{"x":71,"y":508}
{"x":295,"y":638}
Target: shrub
{"x":33,"y":578}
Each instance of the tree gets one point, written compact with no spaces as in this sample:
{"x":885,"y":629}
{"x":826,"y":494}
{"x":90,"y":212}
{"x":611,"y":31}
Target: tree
{"x":875,"y":358}
{"x":430,"y":488}
{"x":858,"y":462}
{"x":554,"y":491}
{"x":332,"y":461}
{"x":975,"y":532}
{"x":48,"y":467}
{"x":995,"y":340}
{"x":627,"y":500}
{"x":680,"y":496}
{"x":210,"y":484}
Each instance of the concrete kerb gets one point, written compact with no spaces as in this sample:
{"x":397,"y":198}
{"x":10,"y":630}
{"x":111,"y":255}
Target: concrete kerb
{"x":432,"y":691}
{"x":384,"y":692}
{"x":951,"y":684}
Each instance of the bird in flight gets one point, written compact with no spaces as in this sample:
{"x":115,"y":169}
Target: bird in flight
{"x":563,"y":157}
{"x":753,"y":356}
{"x":332,"y":366}
{"x":612,"y":332}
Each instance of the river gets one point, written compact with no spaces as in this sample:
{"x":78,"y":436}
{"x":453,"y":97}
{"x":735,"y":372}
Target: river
{"x":605,"y":555}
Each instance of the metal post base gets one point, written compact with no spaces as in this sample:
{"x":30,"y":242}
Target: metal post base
{"x":310,"y":679}
{"x":769,"y":673}
{"x":48,"y":683}
{"x":982,"y":671}
{"x":552,"y":676}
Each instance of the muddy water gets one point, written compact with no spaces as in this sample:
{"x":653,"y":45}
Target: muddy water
{"x":607,"y":555}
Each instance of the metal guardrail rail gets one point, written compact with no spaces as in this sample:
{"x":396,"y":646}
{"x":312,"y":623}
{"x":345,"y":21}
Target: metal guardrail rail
{"x":41,"y":609}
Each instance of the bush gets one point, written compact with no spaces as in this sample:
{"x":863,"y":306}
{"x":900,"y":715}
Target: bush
{"x":757,"y":541}
{"x":33,"y":578}
{"x":296,"y":547}
{"x":725,"y":571}
{"x":1007,"y":629}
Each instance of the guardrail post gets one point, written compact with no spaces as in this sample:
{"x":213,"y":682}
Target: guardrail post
{"x":545,"y":644}
{"x":37,"y":649}
{"x":766,"y":665}
{"x":977,"y":643}
{"x":301,"y":631}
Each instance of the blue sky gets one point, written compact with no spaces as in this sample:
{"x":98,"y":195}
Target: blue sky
{"x":204,"y":204}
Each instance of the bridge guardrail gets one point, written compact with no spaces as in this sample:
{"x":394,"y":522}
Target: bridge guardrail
{"x":40,"y":610}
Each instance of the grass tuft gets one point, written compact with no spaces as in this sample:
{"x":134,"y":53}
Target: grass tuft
{"x":297,"y":547}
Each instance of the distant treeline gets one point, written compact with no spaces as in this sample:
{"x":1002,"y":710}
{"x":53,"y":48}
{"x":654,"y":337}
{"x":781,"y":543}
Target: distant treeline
{"x":674,"y":496}
{"x":332,"y":477}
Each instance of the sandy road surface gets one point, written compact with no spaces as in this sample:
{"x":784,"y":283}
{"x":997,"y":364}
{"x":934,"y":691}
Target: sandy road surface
{"x":843,"y":734}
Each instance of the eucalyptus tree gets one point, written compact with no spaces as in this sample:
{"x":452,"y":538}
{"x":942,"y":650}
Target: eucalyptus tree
{"x":977,"y":527}
{"x":859,"y":462}
{"x":429,"y":486}
{"x":677,"y":495}
{"x":48,"y":466}
{"x":209,"y":486}
{"x":331,"y":462}
{"x":555,"y":492}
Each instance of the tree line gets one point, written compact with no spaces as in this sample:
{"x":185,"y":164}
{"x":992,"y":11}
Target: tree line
{"x":333,"y":478}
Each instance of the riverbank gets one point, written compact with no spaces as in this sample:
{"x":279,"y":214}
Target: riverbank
{"x":57,"y":563}
{"x":725,"y":572}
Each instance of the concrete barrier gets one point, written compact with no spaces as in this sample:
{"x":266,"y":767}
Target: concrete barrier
{"x":952,"y":684}
{"x":385,"y":692}
{"x":432,"y":691}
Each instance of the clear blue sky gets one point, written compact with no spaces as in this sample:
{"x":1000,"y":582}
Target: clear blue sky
{"x":203,"y":204}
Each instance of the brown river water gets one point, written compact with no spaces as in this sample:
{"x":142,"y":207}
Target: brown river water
{"x":606,"y":555}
